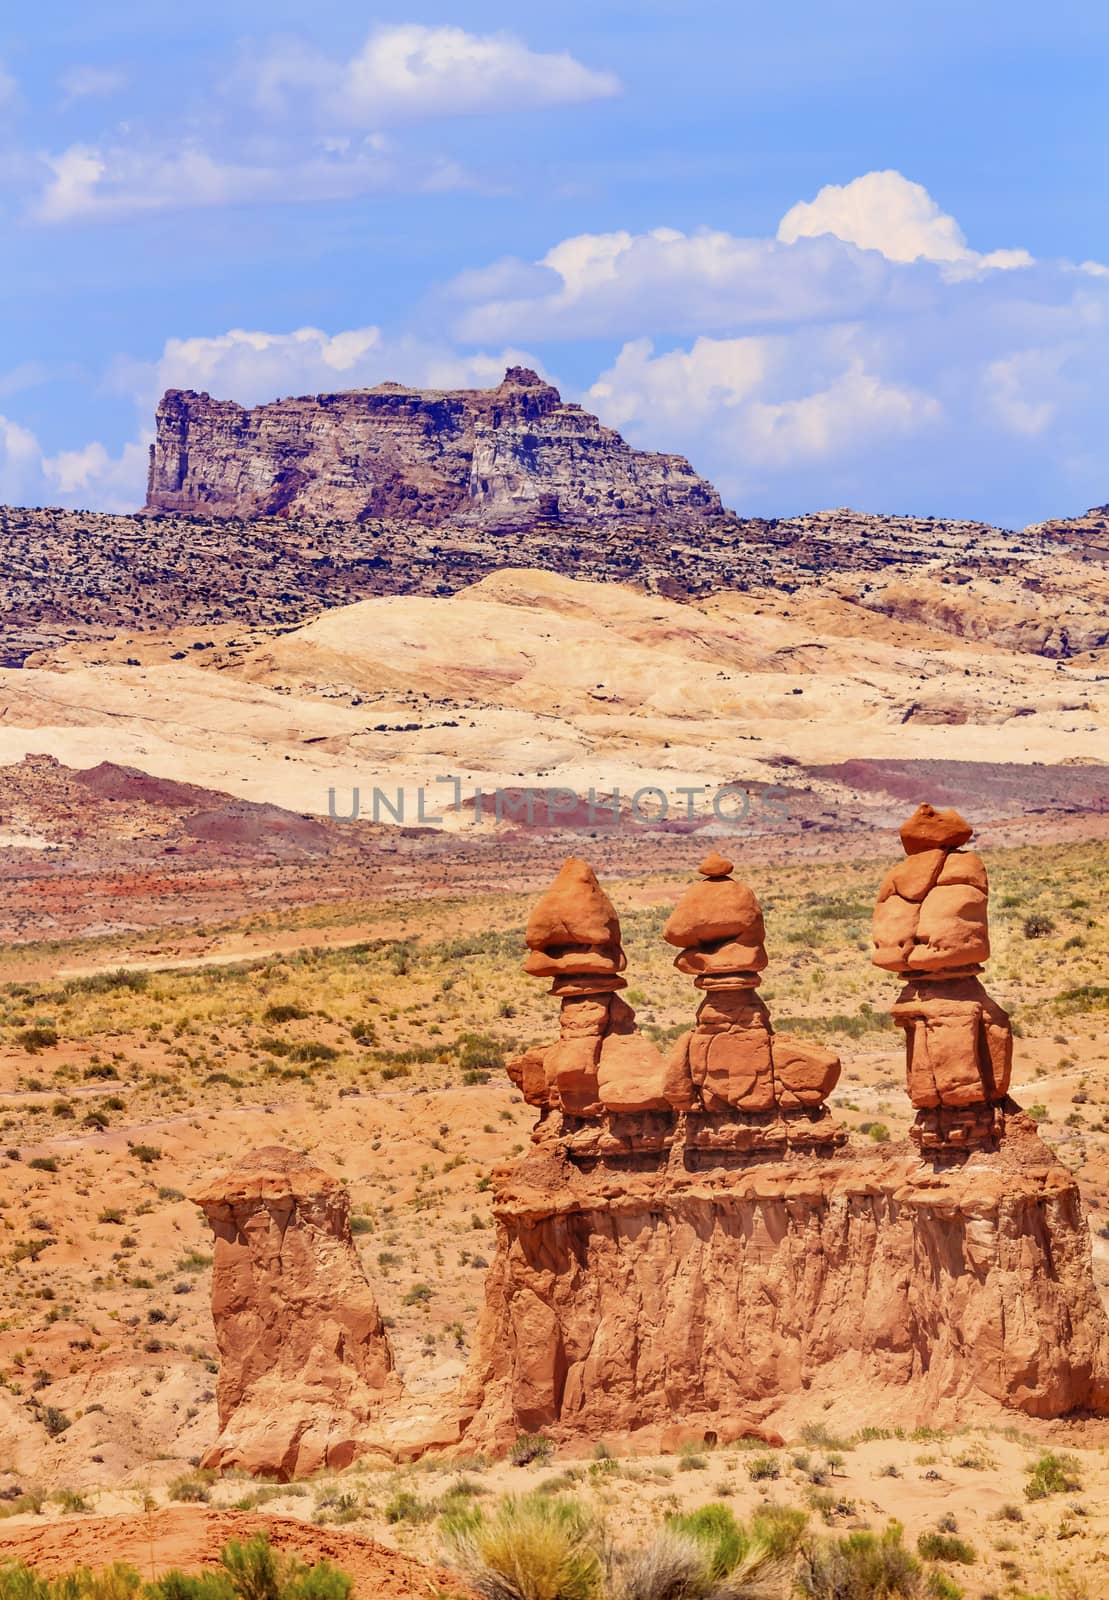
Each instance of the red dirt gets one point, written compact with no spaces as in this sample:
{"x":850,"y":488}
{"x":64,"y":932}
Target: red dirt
{"x":191,"y":1537}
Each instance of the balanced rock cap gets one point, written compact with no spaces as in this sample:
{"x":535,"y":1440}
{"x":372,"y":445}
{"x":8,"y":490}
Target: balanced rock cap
{"x":716,"y":908}
{"x":715,"y":865}
{"x":929,"y":829}
{"x":574,"y":910}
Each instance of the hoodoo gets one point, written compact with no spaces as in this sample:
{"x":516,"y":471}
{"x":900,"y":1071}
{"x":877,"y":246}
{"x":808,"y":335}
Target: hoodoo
{"x":931,"y":925}
{"x":692,"y":1248}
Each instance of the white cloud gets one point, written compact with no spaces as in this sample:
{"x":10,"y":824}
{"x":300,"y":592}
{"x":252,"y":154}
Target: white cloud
{"x":88,"y":477}
{"x":253,"y":367}
{"x":20,"y":463}
{"x":92,"y":183}
{"x":405,"y":71}
{"x":8,"y":86}
{"x":605,"y":285}
{"x":848,"y":252}
{"x":886,"y":212}
{"x":773,"y":402}
{"x":84,"y":82}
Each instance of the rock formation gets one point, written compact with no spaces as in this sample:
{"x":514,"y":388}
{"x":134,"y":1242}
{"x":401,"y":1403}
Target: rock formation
{"x":691,"y":1249}
{"x":733,"y":1059}
{"x":931,"y":926}
{"x":513,"y":456}
{"x":305,"y":1362}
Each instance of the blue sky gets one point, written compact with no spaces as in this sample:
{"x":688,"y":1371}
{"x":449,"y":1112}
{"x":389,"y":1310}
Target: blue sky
{"x":852,"y":254}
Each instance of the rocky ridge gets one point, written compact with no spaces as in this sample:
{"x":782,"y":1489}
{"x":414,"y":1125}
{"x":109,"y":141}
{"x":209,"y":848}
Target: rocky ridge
{"x":507,"y":456}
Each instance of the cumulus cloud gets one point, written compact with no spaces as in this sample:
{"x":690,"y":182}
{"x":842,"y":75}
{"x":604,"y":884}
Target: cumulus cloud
{"x":89,"y":476}
{"x":598,"y":285}
{"x":87,"y":182}
{"x":407,"y":71}
{"x":761,"y":404}
{"x":880,"y":243}
{"x":886,"y":212}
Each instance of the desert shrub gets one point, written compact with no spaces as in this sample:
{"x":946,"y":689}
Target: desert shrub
{"x":54,"y":1421}
{"x":194,"y":1261}
{"x":1038,"y":926}
{"x":408,"y":1507}
{"x":419,"y":1294}
{"x":258,"y":1572}
{"x":314,"y":1051}
{"x":736,"y":1551}
{"x":105,"y":982}
{"x":191,"y":1586}
{"x":528,"y":1447}
{"x":530,"y":1548}
{"x":671,"y":1567}
{"x":146,"y":1153}
{"x":359,"y":1224}
{"x":946,"y":1547}
{"x":69,"y":1500}
{"x":284,"y":1013}
{"x":1052,"y":1474}
{"x":762,"y":1468}
{"x":37,"y":1038}
{"x":938,"y":1586}
{"x":192,"y":1488}
{"x":817,"y":1435}
{"x":862,"y":1566}
{"x":43,"y":1163}
{"x":714,"y":1531}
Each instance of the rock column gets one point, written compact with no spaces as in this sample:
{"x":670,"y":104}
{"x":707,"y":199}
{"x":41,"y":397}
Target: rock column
{"x":931,"y":926}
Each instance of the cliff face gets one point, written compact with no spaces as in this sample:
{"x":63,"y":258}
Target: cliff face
{"x":509,"y":456}
{"x":875,"y":1289}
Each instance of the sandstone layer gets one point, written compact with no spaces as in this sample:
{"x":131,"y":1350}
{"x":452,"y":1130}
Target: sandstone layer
{"x":305,"y":1362}
{"x":514,"y":455}
{"x":660,"y":1302}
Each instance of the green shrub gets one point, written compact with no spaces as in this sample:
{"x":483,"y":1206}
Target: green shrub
{"x":946,"y":1547}
{"x":408,"y":1507}
{"x":1052,"y":1474}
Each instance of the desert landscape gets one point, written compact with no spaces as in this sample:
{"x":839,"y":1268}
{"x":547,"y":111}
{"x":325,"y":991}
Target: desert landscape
{"x":206,"y":955}
{"x":554,"y":804}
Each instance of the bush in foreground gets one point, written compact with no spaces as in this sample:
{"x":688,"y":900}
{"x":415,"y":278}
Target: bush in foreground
{"x":533,"y":1547}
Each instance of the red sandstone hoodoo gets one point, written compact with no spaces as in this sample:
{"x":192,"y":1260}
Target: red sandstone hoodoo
{"x":931,"y":925}
{"x":691,"y":1248}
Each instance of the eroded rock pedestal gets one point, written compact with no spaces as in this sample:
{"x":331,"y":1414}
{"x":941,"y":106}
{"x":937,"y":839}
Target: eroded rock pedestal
{"x":931,"y":925}
{"x":647,"y":1306}
{"x":305,"y":1362}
